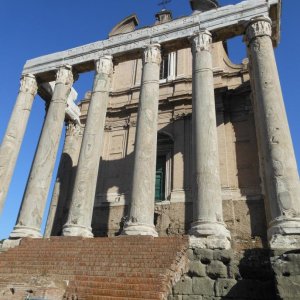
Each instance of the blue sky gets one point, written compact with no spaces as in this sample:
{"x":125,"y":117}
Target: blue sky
{"x":33,"y":28}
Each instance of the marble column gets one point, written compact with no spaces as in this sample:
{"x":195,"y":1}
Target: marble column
{"x":81,"y":210}
{"x":208,"y":229}
{"x":62,"y":192}
{"x":141,"y":218}
{"x":34,"y":200}
{"x":10,"y":147}
{"x":280,"y":174}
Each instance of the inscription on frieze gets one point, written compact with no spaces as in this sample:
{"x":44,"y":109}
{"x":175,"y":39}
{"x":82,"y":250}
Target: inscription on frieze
{"x":233,"y":15}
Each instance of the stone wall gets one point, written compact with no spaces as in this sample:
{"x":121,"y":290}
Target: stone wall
{"x":244,"y":219}
{"x":225,"y":274}
{"x":286,"y":266}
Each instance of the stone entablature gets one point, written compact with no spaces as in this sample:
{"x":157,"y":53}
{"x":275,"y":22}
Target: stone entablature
{"x":224,"y":22}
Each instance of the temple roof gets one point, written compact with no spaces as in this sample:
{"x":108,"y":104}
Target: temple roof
{"x":126,"y":25}
{"x":203,"y":5}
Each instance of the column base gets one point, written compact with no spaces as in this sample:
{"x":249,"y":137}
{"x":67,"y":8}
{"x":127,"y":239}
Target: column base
{"x":7,"y":244}
{"x":179,"y":196}
{"x":77,"y":230}
{"x":284,"y":234}
{"x":208,"y":235}
{"x":20,"y":231}
{"x":139,"y":229}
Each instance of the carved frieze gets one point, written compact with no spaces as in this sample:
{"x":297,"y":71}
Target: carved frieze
{"x":152,"y":54}
{"x":258,"y":27}
{"x":162,"y":33}
{"x":28,"y":84}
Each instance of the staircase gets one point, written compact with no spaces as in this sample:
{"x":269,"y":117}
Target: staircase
{"x":72,"y":268}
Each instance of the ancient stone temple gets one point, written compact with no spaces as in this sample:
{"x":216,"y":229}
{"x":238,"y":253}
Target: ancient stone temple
{"x":178,"y":178}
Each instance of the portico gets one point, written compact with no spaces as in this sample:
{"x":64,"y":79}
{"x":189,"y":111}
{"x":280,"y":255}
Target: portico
{"x":198,"y":32}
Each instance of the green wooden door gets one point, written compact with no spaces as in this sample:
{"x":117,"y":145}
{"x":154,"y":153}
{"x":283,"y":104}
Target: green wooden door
{"x":160,"y":178}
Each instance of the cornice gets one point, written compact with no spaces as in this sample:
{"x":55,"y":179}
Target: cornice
{"x":223,"y":23}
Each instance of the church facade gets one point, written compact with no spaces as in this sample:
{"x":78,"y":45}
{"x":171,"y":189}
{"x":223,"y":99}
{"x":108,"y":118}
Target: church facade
{"x":157,"y":170}
{"x":173,"y":140}
{"x":237,"y":143}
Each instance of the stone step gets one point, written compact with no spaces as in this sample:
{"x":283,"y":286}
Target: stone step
{"x":74,"y":263}
{"x":83,"y":270}
{"x":120,"y":286}
{"x":120,"y":293}
{"x":100,"y":268}
{"x":86,"y":254}
{"x":126,"y":280}
{"x":92,"y":243}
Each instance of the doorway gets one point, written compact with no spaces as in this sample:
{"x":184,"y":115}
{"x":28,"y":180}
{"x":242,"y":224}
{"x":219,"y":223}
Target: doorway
{"x":163,"y":173}
{"x":160,"y":178}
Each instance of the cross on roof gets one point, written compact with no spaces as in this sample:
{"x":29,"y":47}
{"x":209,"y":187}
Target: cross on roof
{"x":163,"y":3}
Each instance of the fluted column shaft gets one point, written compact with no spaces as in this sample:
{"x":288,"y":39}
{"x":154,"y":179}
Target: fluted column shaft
{"x":280,"y":175}
{"x":36,"y":192}
{"x":141,"y":218}
{"x":10,"y":147}
{"x":208,"y":228}
{"x":62,"y":192}
{"x":81,"y":210}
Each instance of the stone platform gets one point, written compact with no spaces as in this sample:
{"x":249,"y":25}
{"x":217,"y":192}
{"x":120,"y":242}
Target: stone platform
{"x":252,"y":274}
{"x":99,"y":268}
{"x":226,"y":274}
{"x":144,"y":267}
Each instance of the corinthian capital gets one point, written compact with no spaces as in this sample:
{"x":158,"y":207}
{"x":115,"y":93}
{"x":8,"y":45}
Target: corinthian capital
{"x":202,"y":41}
{"x":64,"y":75}
{"x":258,"y":27}
{"x":152,"y":54}
{"x":28,"y":84}
{"x":104,"y":65}
{"x":74,"y":129}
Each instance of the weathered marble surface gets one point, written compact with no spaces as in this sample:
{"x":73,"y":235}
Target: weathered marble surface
{"x":208,"y":229}
{"x":280,"y":174}
{"x":214,"y":20}
{"x":61,"y":197}
{"x":14,"y":134}
{"x":34,"y":200}
{"x":141,"y":215}
{"x":81,"y":210}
